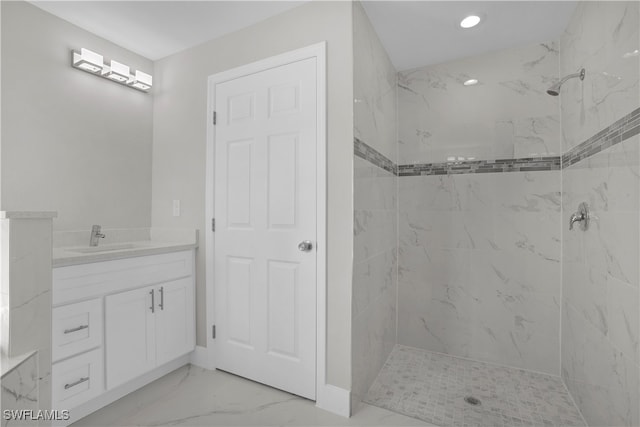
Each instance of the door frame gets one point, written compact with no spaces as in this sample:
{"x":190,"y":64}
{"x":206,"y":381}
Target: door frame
{"x":317,"y":51}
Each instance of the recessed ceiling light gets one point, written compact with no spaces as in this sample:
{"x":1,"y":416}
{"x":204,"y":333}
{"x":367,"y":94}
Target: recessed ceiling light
{"x":470,"y":21}
{"x":470,"y":82}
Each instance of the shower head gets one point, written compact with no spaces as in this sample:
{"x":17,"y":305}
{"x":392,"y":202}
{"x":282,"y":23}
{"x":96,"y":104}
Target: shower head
{"x":555,"y":89}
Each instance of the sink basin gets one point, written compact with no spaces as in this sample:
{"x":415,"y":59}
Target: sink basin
{"x":104,"y":248}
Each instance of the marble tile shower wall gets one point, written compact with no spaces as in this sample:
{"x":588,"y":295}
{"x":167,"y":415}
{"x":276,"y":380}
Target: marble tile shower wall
{"x":20,"y":390}
{"x":479,"y":253}
{"x":375,"y":89}
{"x":375,"y":207}
{"x":479,"y":267}
{"x":374,"y":273}
{"x":25,"y":285}
{"x":506,"y":115}
{"x":601,"y":302}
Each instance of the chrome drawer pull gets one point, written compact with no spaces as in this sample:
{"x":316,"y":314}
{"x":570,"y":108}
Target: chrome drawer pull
{"x":161,"y":298}
{"x":80,"y":381}
{"x":79,"y":328}
{"x":153,"y":298}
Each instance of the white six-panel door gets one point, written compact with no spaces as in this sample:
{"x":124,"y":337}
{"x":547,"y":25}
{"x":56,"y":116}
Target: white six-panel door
{"x":265,"y":206}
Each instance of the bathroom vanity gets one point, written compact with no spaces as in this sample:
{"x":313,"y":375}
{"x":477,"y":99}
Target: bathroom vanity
{"x":123,"y":316}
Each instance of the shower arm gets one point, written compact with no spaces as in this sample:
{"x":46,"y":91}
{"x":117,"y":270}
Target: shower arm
{"x":571,"y":76}
{"x":555,"y":89}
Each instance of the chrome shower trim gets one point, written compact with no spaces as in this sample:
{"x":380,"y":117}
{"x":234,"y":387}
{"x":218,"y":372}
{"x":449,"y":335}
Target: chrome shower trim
{"x":555,"y":89}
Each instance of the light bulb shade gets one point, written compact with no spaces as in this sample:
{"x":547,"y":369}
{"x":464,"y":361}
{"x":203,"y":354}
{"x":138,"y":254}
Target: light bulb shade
{"x":88,"y":61}
{"x":142,"y":81}
{"x":117,"y":71}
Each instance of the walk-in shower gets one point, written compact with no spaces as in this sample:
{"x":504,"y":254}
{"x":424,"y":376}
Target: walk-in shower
{"x":555,"y":89}
{"x":474,"y":303}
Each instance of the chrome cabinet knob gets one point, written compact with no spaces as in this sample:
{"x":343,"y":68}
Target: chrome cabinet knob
{"x":305,"y":246}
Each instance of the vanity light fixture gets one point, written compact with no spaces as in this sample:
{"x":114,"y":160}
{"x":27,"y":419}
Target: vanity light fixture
{"x":142,"y":81}
{"x":88,"y":60}
{"x":117,"y":71}
{"x":93,"y":63}
{"x":470,"y":21}
{"x":470,"y":82}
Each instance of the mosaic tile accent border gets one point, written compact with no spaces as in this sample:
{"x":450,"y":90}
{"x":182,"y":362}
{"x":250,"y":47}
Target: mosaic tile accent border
{"x":622,"y":129}
{"x":373,"y":156}
{"x":619,"y":131}
{"x":482,"y":166}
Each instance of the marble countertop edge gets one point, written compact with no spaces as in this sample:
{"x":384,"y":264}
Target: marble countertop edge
{"x":65,"y":256}
{"x":27,"y":215}
{"x":8,"y":364}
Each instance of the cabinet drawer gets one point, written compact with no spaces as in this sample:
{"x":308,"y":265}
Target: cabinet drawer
{"x":85,"y":281}
{"x":77,"y":380}
{"x":76,"y":328}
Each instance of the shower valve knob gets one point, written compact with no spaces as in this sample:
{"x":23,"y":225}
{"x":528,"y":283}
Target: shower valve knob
{"x":582,"y":216}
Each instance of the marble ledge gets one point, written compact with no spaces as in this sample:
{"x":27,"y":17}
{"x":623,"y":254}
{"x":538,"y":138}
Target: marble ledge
{"x":143,"y":242}
{"x":27,"y":215}
{"x":7,"y":364}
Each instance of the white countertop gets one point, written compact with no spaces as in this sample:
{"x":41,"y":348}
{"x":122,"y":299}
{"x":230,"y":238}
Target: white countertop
{"x":27,"y":215}
{"x":159,"y":241}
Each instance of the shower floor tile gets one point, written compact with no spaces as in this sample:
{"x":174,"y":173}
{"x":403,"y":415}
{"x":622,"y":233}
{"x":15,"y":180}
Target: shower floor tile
{"x":432,"y":387}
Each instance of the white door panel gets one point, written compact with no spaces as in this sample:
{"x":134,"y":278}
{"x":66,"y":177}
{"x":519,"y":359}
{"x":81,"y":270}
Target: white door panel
{"x":265,"y":205}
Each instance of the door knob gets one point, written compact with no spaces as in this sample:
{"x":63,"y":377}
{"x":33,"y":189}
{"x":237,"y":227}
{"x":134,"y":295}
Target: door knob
{"x":305,"y":246}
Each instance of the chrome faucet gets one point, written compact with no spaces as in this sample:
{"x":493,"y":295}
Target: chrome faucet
{"x":95,"y":235}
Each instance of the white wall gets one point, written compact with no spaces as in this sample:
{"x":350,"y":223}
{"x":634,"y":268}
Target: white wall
{"x":71,"y":142}
{"x":179,"y":141}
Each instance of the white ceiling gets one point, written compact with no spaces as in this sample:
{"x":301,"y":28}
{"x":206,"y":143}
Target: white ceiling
{"x":414,"y":33}
{"x":155,"y":29}
{"x":418,"y":33}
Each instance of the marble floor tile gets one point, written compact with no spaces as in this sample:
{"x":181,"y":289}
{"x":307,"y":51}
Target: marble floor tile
{"x":191,"y":396}
{"x":433,"y":387}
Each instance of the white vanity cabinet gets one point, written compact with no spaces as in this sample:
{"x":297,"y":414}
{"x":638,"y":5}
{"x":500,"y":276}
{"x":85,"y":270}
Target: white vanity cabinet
{"x":119,"y":324}
{"x":147,"y":327}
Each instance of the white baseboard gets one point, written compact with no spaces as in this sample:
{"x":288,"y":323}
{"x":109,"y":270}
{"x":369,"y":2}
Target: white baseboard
{"x":334,"y":399}
{"x":200,"y":358}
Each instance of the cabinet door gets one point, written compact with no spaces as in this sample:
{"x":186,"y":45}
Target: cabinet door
{"x":175,"y":319}
{"x":130,"y":334}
